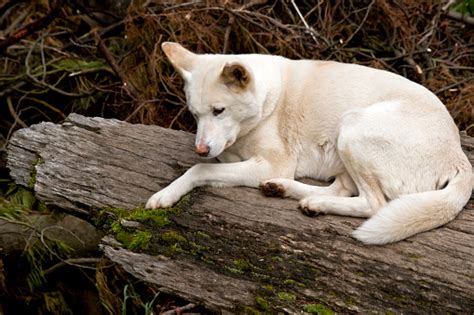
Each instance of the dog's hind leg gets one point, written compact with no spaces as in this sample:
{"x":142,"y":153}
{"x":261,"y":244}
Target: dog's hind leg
{"x":366,"y":204}
{"x":360,"y":147}
{"x":282,"y":187}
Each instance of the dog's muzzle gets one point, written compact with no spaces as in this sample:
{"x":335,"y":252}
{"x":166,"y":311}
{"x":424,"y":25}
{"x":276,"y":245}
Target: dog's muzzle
{"x":202,"y":149}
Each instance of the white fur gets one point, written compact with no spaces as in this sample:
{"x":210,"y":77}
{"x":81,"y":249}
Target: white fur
{"x":390,"y":144}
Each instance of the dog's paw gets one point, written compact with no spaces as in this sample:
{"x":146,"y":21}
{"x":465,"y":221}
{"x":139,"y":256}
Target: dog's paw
{"x":309,"y":207}
{"x":272,"y":188}
{"x":163,"y":199}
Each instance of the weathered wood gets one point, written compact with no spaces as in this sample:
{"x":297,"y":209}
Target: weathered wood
{"x":92,"y":163}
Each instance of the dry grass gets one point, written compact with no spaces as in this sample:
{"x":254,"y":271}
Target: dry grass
{"x":58,"y":69}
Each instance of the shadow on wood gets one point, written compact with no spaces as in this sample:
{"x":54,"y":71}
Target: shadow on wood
{"x":233,"y":249}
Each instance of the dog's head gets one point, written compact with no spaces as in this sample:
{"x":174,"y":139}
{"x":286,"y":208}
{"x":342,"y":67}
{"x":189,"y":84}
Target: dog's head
{"x":221,"y":94}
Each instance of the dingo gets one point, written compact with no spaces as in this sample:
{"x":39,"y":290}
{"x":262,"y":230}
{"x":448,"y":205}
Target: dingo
{"x":389,"y":143}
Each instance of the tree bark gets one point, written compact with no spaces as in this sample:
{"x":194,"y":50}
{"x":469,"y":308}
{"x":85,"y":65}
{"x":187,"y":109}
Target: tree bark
{"x":237,"y":249}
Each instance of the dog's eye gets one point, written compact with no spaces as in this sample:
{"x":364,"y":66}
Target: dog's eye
{"x":217,"y":111}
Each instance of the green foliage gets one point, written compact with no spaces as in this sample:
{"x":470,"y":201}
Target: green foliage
{"x":54,"y":303}
{"x":317,"y":309}
{"x":77,"y":65}
{"x":464,"y":6}
{"x":126,"y":296}
{"x":38,"y":253}
{"x":149,"y":305}
{"x":17,"y":199}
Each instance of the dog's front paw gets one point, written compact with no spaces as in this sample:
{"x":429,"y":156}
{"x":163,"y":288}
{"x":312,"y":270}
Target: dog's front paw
{"x":163,"y":199}
{"x":273,"y":188}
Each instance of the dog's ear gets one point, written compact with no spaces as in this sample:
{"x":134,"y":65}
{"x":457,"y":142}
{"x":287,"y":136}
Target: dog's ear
{"x":182,"y":59}
{"x":235,"y":74}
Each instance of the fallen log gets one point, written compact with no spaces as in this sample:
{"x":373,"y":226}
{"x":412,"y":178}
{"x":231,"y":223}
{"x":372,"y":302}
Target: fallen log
{"x":234,"y":250}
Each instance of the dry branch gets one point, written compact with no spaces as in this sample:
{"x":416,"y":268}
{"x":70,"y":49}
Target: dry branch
{"x":29,"y":29}
{"x":240,"y":244}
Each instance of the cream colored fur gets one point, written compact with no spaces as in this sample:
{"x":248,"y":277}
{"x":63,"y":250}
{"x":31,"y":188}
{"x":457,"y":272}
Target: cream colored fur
{"x":389,"y":143}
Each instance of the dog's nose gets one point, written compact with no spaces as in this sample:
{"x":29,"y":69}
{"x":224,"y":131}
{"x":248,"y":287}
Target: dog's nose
{"x":202,"y":149}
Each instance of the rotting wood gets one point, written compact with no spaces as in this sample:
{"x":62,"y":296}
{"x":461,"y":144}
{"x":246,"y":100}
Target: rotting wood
{"x":264,"y":244}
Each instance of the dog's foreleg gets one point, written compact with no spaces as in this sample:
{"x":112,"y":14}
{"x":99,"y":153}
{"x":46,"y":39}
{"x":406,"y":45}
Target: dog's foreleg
{"x":247,"y":173}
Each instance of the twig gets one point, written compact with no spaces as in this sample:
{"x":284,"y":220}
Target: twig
{"x":8,"y":4}
{"x":227,"y":33}
{"x":232,"y":20}
{"x":127,"y":84}
{"x":47,"y":105}
{"x":14,"y":115}
{"x":310,"y":29}
{"x":179,"y":310}
{"x":29,"y":29}
{"x":45,"y":84}
{"x":72,"y":261}
{"x":369,"y":7}
{"x":462,"y":17}
{"x":454,"y":84}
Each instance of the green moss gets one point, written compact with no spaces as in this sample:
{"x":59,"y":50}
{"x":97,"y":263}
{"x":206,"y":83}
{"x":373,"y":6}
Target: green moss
{"x":250,"y":311}
{"x":287,"y":297}
{"x":294,"y":283}
{"x":110,"y":219}
{"x":138,"y":240}
{"x":260,"y":275}
{"x":202,"y":234}
{"x":269,"y":287}
{"x":243,"y":265}
{"x":173,"y":237}
{"x":158,"y":216}
{"x":262,"y":304}
{"x":317,"y":309}
{"x":234,"y":270}
{"x":42,"y":207}
{"x":32,"y":181}
{"x":115,"y":227}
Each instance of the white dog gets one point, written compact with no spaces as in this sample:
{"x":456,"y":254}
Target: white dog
{"x":390,"y":144}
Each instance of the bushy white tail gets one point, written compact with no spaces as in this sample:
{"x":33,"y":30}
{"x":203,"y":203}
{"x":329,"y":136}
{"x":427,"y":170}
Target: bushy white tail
{"x":414,"y":213}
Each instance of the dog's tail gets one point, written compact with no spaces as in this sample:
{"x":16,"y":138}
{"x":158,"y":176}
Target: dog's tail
{"x":414,"y":213}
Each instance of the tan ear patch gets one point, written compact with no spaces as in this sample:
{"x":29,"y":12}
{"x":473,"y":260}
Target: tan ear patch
{"x":235,"y":74}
